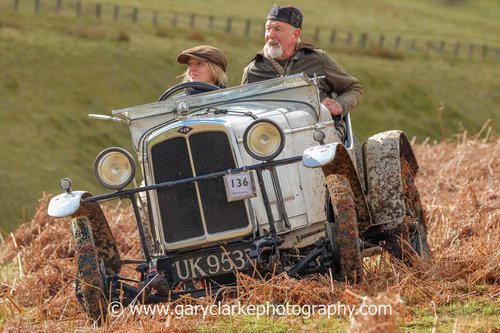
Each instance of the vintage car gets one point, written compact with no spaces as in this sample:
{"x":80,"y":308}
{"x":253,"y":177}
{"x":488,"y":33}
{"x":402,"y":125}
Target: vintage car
{"x":247,"y":179}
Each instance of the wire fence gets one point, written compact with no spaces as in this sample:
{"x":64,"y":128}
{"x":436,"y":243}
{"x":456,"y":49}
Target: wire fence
{"x":372,"y":42}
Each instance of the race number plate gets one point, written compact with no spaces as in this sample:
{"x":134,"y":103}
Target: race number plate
{"x":239,"y":186}
{"x":210,"y":263}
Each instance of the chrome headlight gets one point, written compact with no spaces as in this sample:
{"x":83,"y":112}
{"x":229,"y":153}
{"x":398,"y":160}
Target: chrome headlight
{"x":114,"y":168}
{"x":264,"y":140}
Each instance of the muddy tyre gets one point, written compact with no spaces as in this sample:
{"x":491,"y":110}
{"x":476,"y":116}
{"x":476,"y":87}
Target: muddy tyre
{"x":343,"y":231}
{"x":408,"y":241}
{"x":89,"y":285}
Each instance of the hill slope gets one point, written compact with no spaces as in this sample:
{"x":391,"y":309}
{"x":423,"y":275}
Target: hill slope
{"x":57,"y":69}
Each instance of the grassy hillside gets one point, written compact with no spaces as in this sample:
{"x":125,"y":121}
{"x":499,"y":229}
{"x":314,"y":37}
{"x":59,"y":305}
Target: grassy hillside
{"x":57,"y":69}
{"x":471,"y":21}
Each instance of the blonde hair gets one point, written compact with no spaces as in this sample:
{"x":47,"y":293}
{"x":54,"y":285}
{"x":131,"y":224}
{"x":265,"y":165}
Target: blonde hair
{"x":218,"y":75}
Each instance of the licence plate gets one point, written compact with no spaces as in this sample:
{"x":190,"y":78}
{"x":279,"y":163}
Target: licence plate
{"x":239,"y":186}
{"x":215,"y":262}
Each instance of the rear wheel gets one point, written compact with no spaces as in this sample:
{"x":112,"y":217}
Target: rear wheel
{"x":409,"y":240}
{"x":343,"y":230}
{"x":89,"y":285}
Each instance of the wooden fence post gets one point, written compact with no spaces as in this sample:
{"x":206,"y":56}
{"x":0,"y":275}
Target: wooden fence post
{"x":78,"y":8}
{"x":442,"y":46}
{"x":192,"y":19}
{"x":349,"y":38}
{"x":37,"y":6}
{"x":498,"y":54}
{"x":58,"y":6}
{"x":471,"y":50}
{"x":16,"y":5}
{"x":429,"y":45}
{"x":397,"y":42}
{"x":485,"y":51}
{"x":456,"y":50}
{"x":248,"y":25}
{"x":381,"y":41}
{"x":116,"y":12}
{"x":333,"y":36}
{"x":229,"y":24}
{"x":316,"y":34}
{"x":175,"y":18}
{"x":135,"y":14}
{"x":210,"y":22}
{"x":154,"y":20}
{"x":413,"y":45}
{"x":98,"y":10}
{"x":363,"y":40}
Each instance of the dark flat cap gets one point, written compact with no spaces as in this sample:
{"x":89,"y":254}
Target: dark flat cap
{"x":204,"y":53}
{"x":290,"y":15}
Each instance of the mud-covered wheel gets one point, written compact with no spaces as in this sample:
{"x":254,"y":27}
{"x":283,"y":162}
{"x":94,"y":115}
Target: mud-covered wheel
{"x":89,"y":285}
{"x":409,"y":240}
{"x":343,"y":231}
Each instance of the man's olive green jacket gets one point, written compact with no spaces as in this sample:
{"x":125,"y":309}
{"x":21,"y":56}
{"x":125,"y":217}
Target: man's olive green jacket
{"x":310,"y":60}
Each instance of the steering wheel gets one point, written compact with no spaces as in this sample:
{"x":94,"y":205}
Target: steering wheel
{"x":201,"y":86}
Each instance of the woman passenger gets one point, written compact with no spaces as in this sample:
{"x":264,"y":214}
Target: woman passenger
{"x":205,"y":64}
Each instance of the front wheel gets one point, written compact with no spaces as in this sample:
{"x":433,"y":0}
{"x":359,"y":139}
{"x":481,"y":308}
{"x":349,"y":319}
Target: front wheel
{"x":89,"y":284}
{"x":409,"y":240}
{"x":343,"y":231}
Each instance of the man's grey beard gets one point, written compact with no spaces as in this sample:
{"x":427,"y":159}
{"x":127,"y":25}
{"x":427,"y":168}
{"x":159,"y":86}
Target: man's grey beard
{"x":274,"y":52}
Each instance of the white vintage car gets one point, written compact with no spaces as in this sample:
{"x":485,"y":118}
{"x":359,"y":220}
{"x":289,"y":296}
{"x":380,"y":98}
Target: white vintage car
{"x":251,"y":179}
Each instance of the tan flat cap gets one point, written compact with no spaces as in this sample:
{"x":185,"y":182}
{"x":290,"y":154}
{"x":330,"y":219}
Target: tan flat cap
{"x":204,"y":53}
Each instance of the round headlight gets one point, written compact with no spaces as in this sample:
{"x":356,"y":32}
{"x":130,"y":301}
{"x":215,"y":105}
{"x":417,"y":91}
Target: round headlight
{"x":114,"y":168}
{"x":264,"y":140}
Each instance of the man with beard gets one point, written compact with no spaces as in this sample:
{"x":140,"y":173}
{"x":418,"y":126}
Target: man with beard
{"x":285,"y":53}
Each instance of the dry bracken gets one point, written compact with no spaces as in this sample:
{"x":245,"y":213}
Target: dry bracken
{"x":459,"y":188}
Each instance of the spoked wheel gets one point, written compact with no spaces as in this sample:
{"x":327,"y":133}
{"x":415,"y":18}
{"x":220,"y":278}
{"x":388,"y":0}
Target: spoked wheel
{"x":343,"y":231}
{"x":89,"y":285}
{"x":409,"y":240}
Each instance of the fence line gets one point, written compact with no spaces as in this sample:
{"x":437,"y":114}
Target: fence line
{"x":247,"y":28}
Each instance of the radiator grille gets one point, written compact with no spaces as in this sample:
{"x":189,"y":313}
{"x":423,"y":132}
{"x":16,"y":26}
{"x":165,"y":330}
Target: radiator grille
{"x":211,"y":153}
{"x":180,"y":210}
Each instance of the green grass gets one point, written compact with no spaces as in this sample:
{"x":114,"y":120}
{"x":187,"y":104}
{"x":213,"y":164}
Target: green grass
{"x":57,"y":69}
{"x":476,"y":316}
{"x":274,"y":325}
{"x":8,"y":274}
